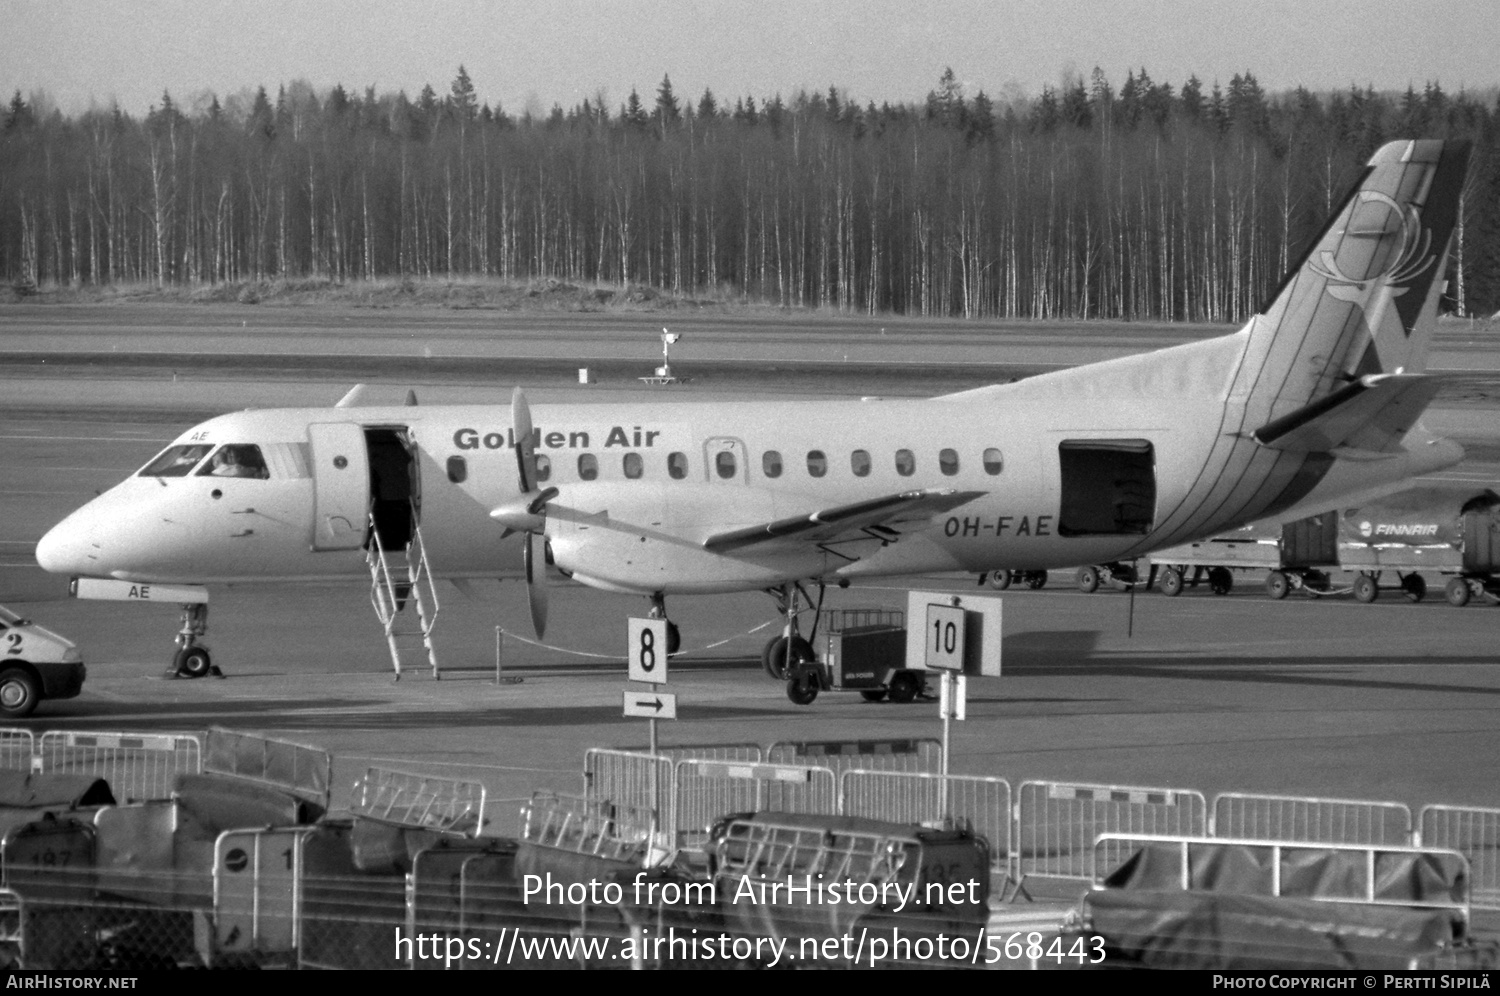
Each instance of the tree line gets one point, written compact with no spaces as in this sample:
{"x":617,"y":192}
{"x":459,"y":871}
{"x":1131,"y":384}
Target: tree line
{"x":1086,"y":201}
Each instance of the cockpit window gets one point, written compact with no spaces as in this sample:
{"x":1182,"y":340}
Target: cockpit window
{"x":175,"y":461}
{"x":236,"y":460}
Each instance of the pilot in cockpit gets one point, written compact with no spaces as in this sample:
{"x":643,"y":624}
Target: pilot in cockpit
{"x":237,"y":461}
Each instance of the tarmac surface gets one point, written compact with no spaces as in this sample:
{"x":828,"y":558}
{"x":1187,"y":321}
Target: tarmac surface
{"x":1323,"y":697}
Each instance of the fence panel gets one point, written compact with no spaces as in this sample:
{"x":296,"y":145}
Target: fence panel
{"x":1057,"y":823}
{"x":913,"y":754}
{"x":915,"y":797}
{"x":1251,"y":816}
{"x":304,"y":771}
{"x":1374,"y":874}
{"x":630,"y":778}
{"x":1474,"y":833}
{"x":704,"y":791}
{"x":444,"y":804}
{"x":17,"y":748}
{"x":137,"y":766}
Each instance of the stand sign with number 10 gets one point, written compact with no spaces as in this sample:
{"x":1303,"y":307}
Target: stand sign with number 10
{"x":945,"y":638}
{"x":648,"y":651}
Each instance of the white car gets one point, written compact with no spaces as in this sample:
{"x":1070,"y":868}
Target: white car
{"x":35,"y":664}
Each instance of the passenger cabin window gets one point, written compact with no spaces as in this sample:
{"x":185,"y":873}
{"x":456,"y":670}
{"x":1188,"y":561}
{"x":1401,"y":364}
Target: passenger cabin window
{"x":948,"y":462}
{"x":992,"y":461}
{"x":724,"y":464}
{"x":677,"y":466}
{"x":458,"y":469}
{"x":543,"y":467}
{"x":770,"y":463}
{"x":817,"y":463}
{"x":236,"y":460}
{"x":633,"y":466}
{"x":588,"y":466}
{"x":859,"y":462}
{"x":906,"y":463}
{"x":175,"y":461}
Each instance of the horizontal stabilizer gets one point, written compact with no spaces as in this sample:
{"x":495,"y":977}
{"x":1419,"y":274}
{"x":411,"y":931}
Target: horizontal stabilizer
{"x":830,"y":523}
{"x":1372,"y":415}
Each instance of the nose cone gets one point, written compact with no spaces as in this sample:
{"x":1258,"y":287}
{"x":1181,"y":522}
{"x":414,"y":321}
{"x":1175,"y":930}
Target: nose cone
{"x":66,"y":549}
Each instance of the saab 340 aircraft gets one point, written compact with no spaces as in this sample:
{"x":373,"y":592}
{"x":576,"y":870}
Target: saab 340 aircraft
{"x":1313,"y":402}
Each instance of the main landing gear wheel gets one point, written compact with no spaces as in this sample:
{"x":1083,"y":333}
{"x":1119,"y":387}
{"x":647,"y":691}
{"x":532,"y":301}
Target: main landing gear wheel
{"x":659,"y":611}
{"x":1457,"y":592}
{"x":1036,"y":580}
{"x":1220,"y":580}
{"x":19,"y":693}
{"x":1277,"y":584}
{"x":1171,"y":582}
{"x":999,"y":580}
{"x":1088,"y":579}
{"x":904,"y":687}
{"x":774,"y":656}
{"x":1365,"y":588}
{"x":1414,"y":587}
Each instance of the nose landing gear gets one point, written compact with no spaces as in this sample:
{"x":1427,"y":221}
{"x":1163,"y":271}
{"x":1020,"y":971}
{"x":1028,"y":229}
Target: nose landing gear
{"x":192,"y":660}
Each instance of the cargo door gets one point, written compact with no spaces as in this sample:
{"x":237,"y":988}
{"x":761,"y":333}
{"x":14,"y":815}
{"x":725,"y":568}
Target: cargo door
{"x":341,"y":485}
{"x":1108,"y":487}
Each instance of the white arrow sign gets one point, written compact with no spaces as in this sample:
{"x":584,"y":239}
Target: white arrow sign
{"x":651,"y":705}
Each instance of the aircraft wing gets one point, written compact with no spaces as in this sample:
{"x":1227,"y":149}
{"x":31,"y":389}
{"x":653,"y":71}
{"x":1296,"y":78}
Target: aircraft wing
{"x":1371,"y":414}
{"x":881,"y":518}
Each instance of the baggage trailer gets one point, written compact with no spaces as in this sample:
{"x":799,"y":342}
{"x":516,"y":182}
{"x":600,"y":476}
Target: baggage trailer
{"x":1436,"y":530}
{"x":1432,"y":529}
{"x":1298,"y":556}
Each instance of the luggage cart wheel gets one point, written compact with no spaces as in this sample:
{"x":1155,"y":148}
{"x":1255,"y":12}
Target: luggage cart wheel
{"x":904,"y":687}
{"x":1366,"y":589}
{"x":1277,"y":584}
{"x":802,"y":685}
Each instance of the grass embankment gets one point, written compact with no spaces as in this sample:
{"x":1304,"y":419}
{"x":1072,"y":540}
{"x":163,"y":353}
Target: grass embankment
{"x":432,"y":292}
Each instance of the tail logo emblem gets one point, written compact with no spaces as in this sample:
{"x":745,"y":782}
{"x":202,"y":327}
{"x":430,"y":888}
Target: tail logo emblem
{"x":1410,"y":261}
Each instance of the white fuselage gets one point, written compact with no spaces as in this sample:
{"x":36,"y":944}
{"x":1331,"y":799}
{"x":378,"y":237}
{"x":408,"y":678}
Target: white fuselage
{"x":667,"y":476}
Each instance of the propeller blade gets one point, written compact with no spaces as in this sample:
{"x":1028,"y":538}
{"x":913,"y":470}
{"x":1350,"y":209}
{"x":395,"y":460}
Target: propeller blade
{"x":520,"y":420}
{"x":536,"y":581}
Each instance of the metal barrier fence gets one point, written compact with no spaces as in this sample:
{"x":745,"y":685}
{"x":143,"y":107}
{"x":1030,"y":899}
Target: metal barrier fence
{"x":630,"y":778}
{"x":982,"y":803}
{"x":587,"y":826}
{"x":17,"y":748}
{"x":902,"y":754}
{"x":1366,"y":873}
{"x":1474,"y":833}
{"x":1058,"y":822}
{"x":283,"y":764}
{"x":1329,"y":821}
{"x":137,"y":766}
{"x":444,"y":804}
{"x":705,"y":791}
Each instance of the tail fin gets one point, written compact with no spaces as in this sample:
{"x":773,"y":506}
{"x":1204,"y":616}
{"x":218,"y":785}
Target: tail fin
{"x":1363,"y":302}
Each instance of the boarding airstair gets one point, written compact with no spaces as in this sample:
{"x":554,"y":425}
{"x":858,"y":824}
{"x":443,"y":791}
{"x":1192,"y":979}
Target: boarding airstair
{"x":396,"y":578}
